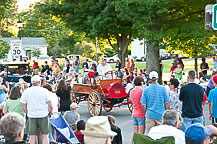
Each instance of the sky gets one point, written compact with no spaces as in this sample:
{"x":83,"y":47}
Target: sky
{"x":24,"y":4}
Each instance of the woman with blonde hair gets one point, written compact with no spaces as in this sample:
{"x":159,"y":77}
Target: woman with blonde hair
{"x":22,"y":84}
{"x":3,"y":89}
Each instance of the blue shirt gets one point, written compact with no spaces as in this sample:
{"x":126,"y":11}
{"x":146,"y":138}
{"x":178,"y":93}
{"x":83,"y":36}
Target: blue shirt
{"x":76,"y":62}
{"x":212,"y":98}
{"x":154,"y":97}
{"x":215,"y":65}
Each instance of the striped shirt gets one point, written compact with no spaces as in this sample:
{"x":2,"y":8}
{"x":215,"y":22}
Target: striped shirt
{"x":154,"y":97}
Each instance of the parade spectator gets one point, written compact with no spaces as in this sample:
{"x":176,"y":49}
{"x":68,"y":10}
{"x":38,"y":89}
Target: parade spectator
{"x":53,"y":98}
{"x":71,"y":60}
{"x":165,"y":84}
{"x":56,"y":70}
{"x":72,"y":116}
{"x":78,"y":133}
{"x":37,"y":105}
{"x":178,"y":73}
{"x":172,"y":69}
{"x":57,"y":63}
{"x":43,"y":70}
{"x":63,"y":91}
{"x":12,"y":127}
{"x":138,"y":115}
{"x":13,"y":104}
{"x":210,"y":85}
{"x":204,"y":66}
{"x":86,"y":66}
{"x":169,"y":127}
{"x":213,"y":101}
{"x":198,"y":134}
{"x":174,"y":96}
{"x":104,"y":69}
{"x":192,"y":96}
{"x":215,"y":64}
{"x":132,"y":66}
{"x":94,"y":64}
{"x":47,"y":68}
{"x":118,"y":138}
{"x":127,"y":64}
{"x":71,"y":69}
{"x":23,"y":85}
{"x":35,"y":67}
{"x":180,"y":62}
{"x":155,"y":100}
{"x":65,"y":62}
{"x":118,"y":68}
{"x":176,"y":58}
{"x":130,"y":77}
{"x":3,"y":89}
{"x":77,"y":63}
{"x":98,"y":131}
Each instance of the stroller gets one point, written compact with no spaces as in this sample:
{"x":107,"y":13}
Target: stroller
{"x":62,"y":131}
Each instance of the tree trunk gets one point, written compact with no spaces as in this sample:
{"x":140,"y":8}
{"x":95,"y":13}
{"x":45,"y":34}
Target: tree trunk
{"x":123,"y":41}
{"x":153,"y":63}
{"x":195,"y":65}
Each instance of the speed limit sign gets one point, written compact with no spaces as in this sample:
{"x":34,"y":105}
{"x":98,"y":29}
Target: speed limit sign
{"x":16,"y":49}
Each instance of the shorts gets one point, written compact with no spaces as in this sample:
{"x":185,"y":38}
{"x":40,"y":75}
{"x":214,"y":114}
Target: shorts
{"x":138,"y":121}
{"x":36,"y":124}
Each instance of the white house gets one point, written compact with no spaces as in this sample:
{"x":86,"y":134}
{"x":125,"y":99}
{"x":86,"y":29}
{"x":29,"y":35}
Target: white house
{"x":28,"y":45}
{"x":138,"y":48}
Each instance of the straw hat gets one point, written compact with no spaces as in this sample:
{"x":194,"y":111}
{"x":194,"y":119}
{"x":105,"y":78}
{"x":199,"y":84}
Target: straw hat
{"x":98,"y":126}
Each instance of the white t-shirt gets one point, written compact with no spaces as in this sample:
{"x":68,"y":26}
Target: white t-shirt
{"x":36,"y":99}
{"x":54,"y":101}
{"x":160,"y":131}
{"x":104,"y":69}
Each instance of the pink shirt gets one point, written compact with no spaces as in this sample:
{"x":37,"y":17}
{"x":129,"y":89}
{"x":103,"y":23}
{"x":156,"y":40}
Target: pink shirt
{"x":135,"y":96}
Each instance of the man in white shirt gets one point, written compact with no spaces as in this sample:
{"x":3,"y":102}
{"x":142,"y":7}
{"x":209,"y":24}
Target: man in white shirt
{"x":37,"y":105}
{"x":104,"y":69}
{"x":169,"y":127}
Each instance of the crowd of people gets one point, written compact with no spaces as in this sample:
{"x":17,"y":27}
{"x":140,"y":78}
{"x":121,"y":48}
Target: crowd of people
{"x":174,"y":109}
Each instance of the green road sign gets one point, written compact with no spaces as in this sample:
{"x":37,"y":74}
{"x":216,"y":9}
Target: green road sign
{"x":214,"y":17}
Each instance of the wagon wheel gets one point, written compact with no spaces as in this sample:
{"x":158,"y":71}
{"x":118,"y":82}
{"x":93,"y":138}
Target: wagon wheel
{"x":94,"y":103}
{"x":107,"y":108}
{"x":129,"y":102}
{"x":73,"y":97}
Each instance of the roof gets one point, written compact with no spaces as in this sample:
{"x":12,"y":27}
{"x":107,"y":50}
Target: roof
{"x":14,"y":63}
{"x":28,"y":41}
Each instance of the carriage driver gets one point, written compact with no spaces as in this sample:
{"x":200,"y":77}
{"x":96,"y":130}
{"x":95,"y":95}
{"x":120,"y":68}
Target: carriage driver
{"x":104,"y":69}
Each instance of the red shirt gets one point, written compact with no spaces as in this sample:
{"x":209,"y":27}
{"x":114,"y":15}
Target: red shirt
{"x":172,"y":68}
{"x":35,"y":65}
{"x":79,"y":136}
{"x":135,"y":96}
{"x":91,"y":74}
{"x":204,"y":100}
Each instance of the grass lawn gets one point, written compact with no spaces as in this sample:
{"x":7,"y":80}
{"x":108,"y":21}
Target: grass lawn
{"x":189,"y":65}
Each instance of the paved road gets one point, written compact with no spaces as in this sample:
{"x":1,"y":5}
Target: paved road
{"x":123,"y":119}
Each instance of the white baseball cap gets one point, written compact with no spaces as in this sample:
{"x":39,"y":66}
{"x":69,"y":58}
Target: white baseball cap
{"x":153,"y":75}
{"x":35,"y":79}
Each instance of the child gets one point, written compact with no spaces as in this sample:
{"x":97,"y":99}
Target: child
{"x":91,"y":75}
{"x":78,"y":134}
{"x":174,"y":96}
{"x":213,"y":101}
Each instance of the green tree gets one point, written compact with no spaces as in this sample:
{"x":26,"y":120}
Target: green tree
{"x":155,"y":20}
{"x":4,"y":48}
{"x":61,"y":40}
{"x":36,"y":52}
{"x":95,"y":19}
{"x":8,"y":18}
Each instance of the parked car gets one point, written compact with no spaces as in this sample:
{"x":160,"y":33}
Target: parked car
{"x":143,"y":58}
{"x":164,"y":54}
{"x":16,"y":70}
{"x":112,"y":59}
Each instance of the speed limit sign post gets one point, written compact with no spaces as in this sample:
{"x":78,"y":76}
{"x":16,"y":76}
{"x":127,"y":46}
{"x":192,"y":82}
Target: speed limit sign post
{"x":16,"y":47}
